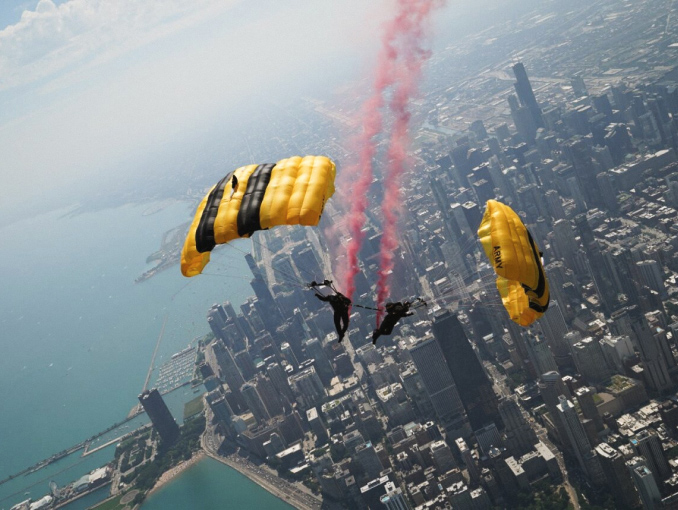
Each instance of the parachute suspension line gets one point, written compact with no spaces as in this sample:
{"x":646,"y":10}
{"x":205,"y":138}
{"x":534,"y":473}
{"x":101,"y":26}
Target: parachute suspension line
{"x":226,"y":276}
{"x":179,"y":291}
{"x":249,"y":149}
{"x":286,"y":280}
{"x":306,"y":271}
{"x":368,"y":307}
{"x":464,"y":247}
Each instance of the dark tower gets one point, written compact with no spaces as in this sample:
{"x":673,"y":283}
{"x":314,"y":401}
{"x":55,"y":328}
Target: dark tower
{"x":160,"y":416}
{"x":525,"y":93}
{"x":475,"y":390}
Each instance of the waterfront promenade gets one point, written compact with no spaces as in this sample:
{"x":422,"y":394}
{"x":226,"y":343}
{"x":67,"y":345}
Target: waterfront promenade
{"x":295,"y":494}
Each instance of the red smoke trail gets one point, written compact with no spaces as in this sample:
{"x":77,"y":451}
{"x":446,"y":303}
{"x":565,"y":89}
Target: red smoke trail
{"x":358,"y":178}
{"x":411,"y":32}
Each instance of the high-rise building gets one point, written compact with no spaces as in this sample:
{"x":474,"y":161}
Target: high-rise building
{"x":279,"y":379}
{"x":160,"y":415}
{"x":317,"y":426}
{"x":216,"y":399}
{"x":469,"y":461}
{"x":607,"y":191}
{"x":588,"y":460}
{"x":243,"y":360}
{"x":523,"y":120}
{"x":440,"y":386}
{"x":367,"y":457}
{"x":394,"y":498}
{"x":269,"y":395}
{"x":415,"y":389}
{"x":616,"y":349}
{"x":618,"y":477}
{"x":526,"y":94}
{"x":254,"y":402}
{"x":288,"y":355}
{"x":555,"y":328}
{"x":645,"y":482}
{"x":520,"y":437}
{"x":588,"y":406}
{"x":655,"y":352}
{"x":308,"y":386}
{"x":589,"y":360}
{"x":488,"y":438}
{"x":473,"y":385}
{"x":442,"y":456}
{"x":652,"y":277}
{"x":539,"y":353}
{"x":649,"y":445}
{"x":314,"y":349}
{"x":228,"y":370}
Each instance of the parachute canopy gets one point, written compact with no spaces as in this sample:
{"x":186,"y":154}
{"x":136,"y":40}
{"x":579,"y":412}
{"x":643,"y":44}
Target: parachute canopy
{"x":292,"y":191}
{"x":516,"y":259}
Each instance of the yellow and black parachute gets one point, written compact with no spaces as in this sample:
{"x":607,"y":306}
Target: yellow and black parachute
{"x":292,"y":191}
{"x":516,"y":259}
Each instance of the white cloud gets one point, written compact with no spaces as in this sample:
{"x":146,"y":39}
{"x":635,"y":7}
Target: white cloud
{"x":91,"y":83}
{"x":51,"y":39}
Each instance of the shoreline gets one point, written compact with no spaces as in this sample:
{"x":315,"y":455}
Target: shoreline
{"x":167,"y":476}
{"x":244,"y":469}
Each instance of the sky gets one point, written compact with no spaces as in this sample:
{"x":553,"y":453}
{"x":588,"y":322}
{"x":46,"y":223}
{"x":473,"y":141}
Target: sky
{"x":89,"y":87}
{"x":88,"y":84}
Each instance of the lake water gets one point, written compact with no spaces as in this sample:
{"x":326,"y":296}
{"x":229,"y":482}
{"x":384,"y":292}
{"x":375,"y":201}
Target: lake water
{"x":209,"y":484}
{"x":77,"y":334}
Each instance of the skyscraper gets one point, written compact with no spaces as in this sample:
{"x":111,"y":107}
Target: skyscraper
{"x":645,"y":482}
{"x":651,"y":276}
{"x":160,"y":415}
{"x":618,"y":476}
{"x":555,"y":328}
{"x":394,"y":498}
{"x":588,"y":460}
{"x":588,"y":406}
{"x":649,"y":445}
{"x":475,"y":389}
{"x":526,"y":94}
{"x":228,"y":370}
{"x":314,"y":349}
{"x":440,"y":386}
{"x":539,"y":352}
{"x":520,"y":437}
{"x":269,"y":395}
{"x":308,"y":386}
{"x":279,"y":379}
{"x":590,"y":361}
{"x":254,"y":402}
{"x":654,"y":350}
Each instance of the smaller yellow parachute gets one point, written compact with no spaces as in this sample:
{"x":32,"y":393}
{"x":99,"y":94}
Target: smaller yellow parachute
{"x":292,"y":191}
{"x":516,"y":259}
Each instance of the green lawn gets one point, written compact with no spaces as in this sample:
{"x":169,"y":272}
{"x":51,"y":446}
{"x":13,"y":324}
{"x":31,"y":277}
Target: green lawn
{"x":193,"y":407}
{"x":111,"y":504}
{"x":120,"y":502}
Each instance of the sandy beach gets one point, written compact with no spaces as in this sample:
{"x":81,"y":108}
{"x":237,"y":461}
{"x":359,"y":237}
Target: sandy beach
{"x":168,"y":475}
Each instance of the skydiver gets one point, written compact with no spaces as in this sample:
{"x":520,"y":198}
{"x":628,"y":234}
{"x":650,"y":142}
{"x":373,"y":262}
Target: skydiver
{"x":394,"y":312}
{"x":339,"y":303}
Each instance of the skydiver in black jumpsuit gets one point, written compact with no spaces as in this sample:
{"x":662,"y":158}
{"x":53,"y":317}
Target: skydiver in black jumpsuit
{"x":339,"y":303}
{"x":394,"y":312}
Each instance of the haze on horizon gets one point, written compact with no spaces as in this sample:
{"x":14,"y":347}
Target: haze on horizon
{"x":91,"y":89}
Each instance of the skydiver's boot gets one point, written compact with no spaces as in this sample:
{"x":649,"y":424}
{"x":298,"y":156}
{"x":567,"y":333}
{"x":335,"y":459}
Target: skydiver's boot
{"x":375,"y":335}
